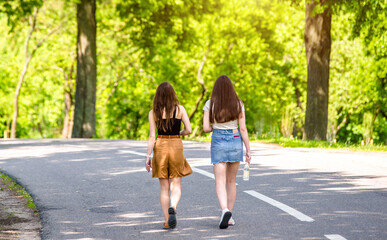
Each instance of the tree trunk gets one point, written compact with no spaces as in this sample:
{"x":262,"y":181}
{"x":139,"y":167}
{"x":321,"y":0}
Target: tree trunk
{"x":318,"y":48}
{"x":23,"y":74}
{"x":68,"y":88}
{"x":67,"y":119}
{"x":201,"y":82}
{"x":16,"y":99}
{"x":68,"y":101}
{"x":298,"y":94}
{"x":85,"y":95}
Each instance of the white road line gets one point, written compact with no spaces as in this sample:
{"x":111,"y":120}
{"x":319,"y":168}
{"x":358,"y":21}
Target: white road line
{"x":133,"y":152}
{"x":283,"y":207}
{"x":335,"y":237}
{"x":205,"y":173}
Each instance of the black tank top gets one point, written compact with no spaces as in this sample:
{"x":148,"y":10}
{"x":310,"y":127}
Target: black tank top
{"x":175,"y":130}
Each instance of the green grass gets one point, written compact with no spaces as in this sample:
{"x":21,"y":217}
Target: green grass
{"x":201,"y":138}
{"x":297,"y":143}
{"x":11,"y":185}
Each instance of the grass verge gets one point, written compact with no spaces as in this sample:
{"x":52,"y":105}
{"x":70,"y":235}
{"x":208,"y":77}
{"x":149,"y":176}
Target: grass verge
{"x":297,"y":143}
{"x":13,"y":186}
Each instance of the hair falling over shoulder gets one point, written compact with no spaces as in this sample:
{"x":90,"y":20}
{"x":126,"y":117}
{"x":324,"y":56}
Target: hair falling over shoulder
{"x":164,"y":102}
{"x":225,"y":103}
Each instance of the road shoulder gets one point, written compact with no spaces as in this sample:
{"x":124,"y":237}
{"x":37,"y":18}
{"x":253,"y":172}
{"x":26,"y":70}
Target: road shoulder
{"x":17,"y":221}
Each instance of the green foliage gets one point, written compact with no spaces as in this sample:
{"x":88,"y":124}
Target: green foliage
{"x":152,"y":23}
{"x":41,"y":100}
{"x":355,"y":87}
{"x":16,"y":10}
{"x":370,"y":22}
{"x":242,"y":44}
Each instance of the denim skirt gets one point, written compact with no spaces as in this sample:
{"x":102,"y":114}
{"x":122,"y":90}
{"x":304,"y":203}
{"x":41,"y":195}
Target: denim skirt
{"x":226,"y":146}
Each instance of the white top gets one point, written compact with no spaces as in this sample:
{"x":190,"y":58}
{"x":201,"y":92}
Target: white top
{"x":225,"y":125}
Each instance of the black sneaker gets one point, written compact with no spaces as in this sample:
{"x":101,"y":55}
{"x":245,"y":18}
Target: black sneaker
{"x":172,"y":217}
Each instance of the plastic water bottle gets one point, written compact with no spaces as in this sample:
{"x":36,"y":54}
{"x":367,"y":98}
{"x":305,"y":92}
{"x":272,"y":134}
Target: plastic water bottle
{"x":246,"y":172}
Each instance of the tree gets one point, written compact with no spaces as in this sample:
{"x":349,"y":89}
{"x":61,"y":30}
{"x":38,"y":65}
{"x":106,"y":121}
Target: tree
{"x":68,"y":88}
{"x":318,"y":48}
{"x":85,"y":95}
{"x":28,"y":58}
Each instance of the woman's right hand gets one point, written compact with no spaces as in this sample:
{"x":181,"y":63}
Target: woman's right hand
{"x":148,"y":164}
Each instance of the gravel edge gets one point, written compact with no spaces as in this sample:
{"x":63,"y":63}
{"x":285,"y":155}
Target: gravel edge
{"x":17,"y":220}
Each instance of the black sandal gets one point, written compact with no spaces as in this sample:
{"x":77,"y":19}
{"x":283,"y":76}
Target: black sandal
{"x":172,"y":217}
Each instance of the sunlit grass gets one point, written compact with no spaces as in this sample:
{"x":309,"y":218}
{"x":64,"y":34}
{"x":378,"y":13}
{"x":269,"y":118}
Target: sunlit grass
{"x":200,"y":139}
{"x":13,"y":186}
{"x":298,"y":143}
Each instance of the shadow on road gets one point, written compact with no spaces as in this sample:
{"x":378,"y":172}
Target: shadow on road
{"x":93,"y":189}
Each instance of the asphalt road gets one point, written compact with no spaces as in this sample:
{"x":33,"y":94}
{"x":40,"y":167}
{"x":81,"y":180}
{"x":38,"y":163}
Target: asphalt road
{"x":99,"y":189}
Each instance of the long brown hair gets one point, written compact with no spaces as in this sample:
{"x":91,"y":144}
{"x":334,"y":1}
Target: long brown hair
{"x":165,"y":101}
{"x":225,"y":105}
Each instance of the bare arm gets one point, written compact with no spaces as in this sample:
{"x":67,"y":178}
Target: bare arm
{"x":187,"y":125}
{"x":245,"y":136}
{"x":206,"y":122}
{"x":151,"y":140}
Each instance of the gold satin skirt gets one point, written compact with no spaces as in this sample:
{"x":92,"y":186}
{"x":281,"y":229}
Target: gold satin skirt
{"x":168,"y":159}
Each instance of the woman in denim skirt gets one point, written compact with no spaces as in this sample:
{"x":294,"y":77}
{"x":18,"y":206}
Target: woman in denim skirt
{"x":222,"y":115}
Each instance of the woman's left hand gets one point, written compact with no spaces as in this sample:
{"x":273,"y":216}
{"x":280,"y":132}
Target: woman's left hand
{"x":248,"y":157}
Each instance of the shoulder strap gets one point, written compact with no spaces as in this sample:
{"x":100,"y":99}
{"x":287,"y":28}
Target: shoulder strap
{"x":174,"y":113}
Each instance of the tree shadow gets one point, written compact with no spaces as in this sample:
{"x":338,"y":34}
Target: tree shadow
{"x":94,"y":189}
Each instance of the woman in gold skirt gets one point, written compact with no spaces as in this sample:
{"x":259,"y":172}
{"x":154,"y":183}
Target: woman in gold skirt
{"x":169,"y":164}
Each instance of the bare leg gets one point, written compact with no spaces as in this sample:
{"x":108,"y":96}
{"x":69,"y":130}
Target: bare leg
{"x":231,"y":172}
{"x":220,"y":180}
{"x":164,"y":196}
{"x":175,"y":191}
